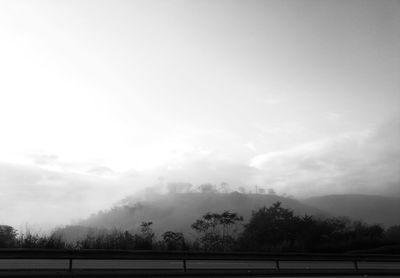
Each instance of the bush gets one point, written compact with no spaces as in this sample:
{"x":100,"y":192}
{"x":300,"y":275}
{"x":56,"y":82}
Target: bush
{"x":36,"y":241}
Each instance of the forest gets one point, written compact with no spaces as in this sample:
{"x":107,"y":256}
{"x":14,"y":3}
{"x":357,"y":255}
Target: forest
{"x":269,"y":229}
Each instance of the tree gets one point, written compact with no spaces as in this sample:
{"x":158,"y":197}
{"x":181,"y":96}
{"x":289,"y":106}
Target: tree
{"x":224,"y":187}
{"x":144,"y":241}
{"x":8,"y":236}
{"x":363,"y":230}
{"x":174,"y":240}
{"x":312,"y":232}
{"x":217,"y":230}
{"x":146,"y":230}
{"x":178,"y":187}
{"x":393,"y":234}
{"x":261,"y":190}
{"x":208,"y":188}
{"x":270,"y":227}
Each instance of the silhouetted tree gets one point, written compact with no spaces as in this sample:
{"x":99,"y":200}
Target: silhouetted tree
{"x":261,"y":190}
{"x":362,"y":230}
{"x":312,"y":232}
{"x":179,"y":187}
{"x":144,"y":241}
{"x":8,"y":236}
{"x":392,"y":234}
{"x":53,"y":241}
{"x":270,"y":227}
{"x":174,"y":240}
{"x":217,"y":230}
{"x":208,"y":188}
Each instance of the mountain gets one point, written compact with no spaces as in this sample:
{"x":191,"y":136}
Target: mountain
{"x":176,"y":212}
{"x":368,"y":208}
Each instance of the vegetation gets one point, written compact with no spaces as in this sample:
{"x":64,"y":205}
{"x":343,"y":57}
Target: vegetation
{"x":278,"y":229}
{"x":273,"y":228}
{"x":7,"y":236}
{"x":217,"y":230}
{"x":174,"y":240}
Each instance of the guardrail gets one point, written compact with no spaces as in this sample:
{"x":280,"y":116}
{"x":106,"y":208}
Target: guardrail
{"x":277,"y":259}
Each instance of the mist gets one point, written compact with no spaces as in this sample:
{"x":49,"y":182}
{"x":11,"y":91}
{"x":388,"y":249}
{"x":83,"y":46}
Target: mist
{"x":104,"y":101}
{"x":355,"y":163}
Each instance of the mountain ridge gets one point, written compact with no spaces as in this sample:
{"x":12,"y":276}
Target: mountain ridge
{"x":373,"y":209}
{"x":177,"y":211}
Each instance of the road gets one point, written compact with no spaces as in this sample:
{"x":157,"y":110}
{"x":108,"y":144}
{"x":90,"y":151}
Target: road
{"x":191,"y":264}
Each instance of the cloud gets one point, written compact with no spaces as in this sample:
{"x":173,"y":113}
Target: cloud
{"x":251,"y":146}
{"x":206,"y":170}
{"x":360,"y":162}
{"x":101,"y":170}
{"x":44,"y":159}
{"x":272,"y":100}
{"x":34,"y":195}
{"x":50,"y":192}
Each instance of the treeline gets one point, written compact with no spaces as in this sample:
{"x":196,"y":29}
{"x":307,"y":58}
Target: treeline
{"x":270,"y":229}
{"x":223,"y":187}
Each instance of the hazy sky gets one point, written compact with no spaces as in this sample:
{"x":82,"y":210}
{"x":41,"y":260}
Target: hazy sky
{"x":100,"y":98}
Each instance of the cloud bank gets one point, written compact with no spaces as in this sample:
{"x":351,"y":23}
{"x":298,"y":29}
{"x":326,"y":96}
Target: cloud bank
{"x":364,"y":162}
{"x":50,"y":191}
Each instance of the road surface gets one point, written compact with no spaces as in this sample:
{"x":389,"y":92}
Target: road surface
{"x":191,"y":264}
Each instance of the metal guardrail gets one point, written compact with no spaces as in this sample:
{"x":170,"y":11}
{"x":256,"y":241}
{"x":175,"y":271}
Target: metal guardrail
{"x":277,"y":259}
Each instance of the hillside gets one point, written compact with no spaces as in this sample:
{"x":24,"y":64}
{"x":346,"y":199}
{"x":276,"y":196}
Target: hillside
{"x":369,"y":208}
{"x":177,"y":212}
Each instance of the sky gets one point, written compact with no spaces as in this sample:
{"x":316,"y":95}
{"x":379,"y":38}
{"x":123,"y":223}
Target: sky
{"x":99,"y":99}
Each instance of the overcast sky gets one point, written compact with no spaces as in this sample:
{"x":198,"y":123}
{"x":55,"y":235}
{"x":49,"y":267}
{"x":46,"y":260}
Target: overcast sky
{"x":101,"y":98}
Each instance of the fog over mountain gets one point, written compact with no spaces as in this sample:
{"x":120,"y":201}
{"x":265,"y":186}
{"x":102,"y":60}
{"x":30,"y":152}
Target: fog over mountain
{"x":365,"y":163}
{"x":178,"y":211}
{"x":101,"y":100}
{"x":369,"y":208}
